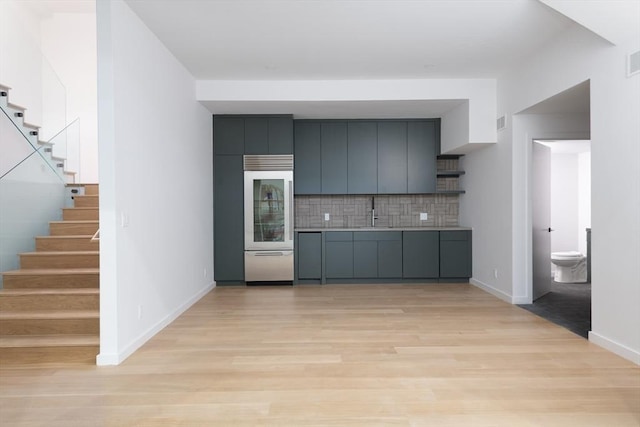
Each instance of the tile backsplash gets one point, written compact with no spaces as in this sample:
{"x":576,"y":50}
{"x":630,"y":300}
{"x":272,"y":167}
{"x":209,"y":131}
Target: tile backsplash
{"x":392,"y":210}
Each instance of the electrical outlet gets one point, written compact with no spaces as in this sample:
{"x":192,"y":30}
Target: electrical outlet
{"x":124,"y":219}
{"x":495,"y":273}
{"x":140,"y":312}
{"x":204,"y":273}
{"x":327,"y":217}
{"x":424,"y":216}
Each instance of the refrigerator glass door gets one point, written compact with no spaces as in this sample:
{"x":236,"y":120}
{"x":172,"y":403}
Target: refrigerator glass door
{"x":268,"y":210}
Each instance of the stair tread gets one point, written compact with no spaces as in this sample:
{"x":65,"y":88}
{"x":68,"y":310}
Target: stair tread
{"x":76,"y":221}
{"x":48,"y":340}
{"x":31,"y":125}
{"x":50,"y":314}
{"x":59,"y":253}
{"x":86,"y":195}
{"x":51,"y":291}
{"x":68,"y":236}
{"x":16,"y":106}
{"x":49,"y":271}
{"x":82,"y":208}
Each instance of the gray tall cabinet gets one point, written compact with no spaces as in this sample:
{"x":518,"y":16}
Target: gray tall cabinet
{"x":234,"y":136}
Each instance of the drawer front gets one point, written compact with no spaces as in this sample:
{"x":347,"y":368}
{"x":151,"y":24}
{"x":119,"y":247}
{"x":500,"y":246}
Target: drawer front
{"x":339,"y":236}
{"x":454,"y":235}
{"x":377,"y":235}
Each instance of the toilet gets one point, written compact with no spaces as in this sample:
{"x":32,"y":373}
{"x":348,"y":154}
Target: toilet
{"x":571,"y":267}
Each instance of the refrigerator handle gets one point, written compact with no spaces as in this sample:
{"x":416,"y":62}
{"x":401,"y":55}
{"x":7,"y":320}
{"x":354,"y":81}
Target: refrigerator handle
{"x":291,"y":219}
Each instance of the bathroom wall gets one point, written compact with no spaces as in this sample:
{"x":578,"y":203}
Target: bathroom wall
{"x":570,"y":198}
{"x":584,"y":198}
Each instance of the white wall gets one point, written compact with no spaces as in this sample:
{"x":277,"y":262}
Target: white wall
{"x":480,"y":113}
{"x":564,"y":201}
{"x":69,"y":42}
{"x":20,"y":57}
{"x":615,"y":107}
{"x":156,"y":178}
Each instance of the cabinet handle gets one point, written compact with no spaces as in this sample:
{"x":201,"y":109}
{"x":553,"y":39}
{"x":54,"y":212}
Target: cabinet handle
{"x":291,"y":219}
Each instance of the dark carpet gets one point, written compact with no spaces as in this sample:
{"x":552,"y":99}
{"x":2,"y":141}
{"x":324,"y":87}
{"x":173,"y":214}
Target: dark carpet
{"x":567,"y":305}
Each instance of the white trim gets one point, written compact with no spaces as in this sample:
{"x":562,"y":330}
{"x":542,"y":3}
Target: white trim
{"x":614,"y":347}
{"x":493,"y":291}
{"x":117,"y":358}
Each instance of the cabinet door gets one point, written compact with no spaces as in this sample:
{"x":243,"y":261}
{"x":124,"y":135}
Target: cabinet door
{"x":309,"y":255}
{"x":334,"y":157}
{"x":390,"y":259}
{"x":365,"y":259}
{"x":228,"y":135}
{"x":280,"y":135}
{"x":421,"y":145}
{"x":392,"y":157}
{"x":420,"y":254}
{"x":307,"y":158}
{"x":339,"y":260}
{"x":455,"y":254}
{"x":362,"y":158}
{"x":228,"y":219}
{"x":256,"y":135}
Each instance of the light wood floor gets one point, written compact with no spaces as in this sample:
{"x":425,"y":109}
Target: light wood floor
{"x":390,"y":355}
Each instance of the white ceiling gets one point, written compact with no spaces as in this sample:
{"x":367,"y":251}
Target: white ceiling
{"x":350,"y":39}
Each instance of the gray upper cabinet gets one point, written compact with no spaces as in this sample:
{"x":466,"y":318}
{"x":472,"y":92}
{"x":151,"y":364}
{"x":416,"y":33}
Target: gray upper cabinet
{"x":392,"y":157}
{"x":307,"y":173}
{"x":366,"y":156}
{"x":362,"y":157}
{"x":422,"y":137}
{"x":228,"y":135}
{"x":333,"y":155}
{"x":256,"y":135}
{"x":253,"y":134}
{"x":280,"y":135}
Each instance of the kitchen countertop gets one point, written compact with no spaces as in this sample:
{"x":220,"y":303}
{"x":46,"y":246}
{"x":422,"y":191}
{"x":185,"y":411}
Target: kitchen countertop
{"x":383,"y":229}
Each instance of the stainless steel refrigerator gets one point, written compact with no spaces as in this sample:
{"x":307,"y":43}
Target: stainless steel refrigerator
{"x":268,"y":218}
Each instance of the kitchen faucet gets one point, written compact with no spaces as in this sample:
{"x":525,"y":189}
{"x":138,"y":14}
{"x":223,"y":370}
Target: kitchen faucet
{"x":373,"y":211}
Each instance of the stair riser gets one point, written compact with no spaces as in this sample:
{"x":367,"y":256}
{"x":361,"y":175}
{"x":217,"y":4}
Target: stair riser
{"x":60,"y":261}
{"x":49,"y":326}
{"x":85,"y":202}
{"x":37,"y":355}
{"x":91,"y":189}
{"x":20,"y":303}
{"x":72,"y":229}
{"x":71,"y":214}
{"x":52,"y":281}
{"x":66,"y":244}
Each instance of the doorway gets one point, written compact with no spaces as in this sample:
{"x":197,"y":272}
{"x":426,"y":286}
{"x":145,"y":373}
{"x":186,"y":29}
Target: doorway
{"x":561,"y":223}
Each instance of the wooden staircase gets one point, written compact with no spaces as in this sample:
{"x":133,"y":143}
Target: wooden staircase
{"x":49,"y":309}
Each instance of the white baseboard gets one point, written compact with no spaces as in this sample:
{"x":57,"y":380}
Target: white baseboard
{"x":118,"y":358}
{"x":493,"y":291}
{"x":614,"y":347}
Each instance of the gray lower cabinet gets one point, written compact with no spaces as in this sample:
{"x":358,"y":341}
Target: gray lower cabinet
{"x":388,"y":255}
{"x":455,"y":254}
{"x":420,"y":254}
{"x":228,"y":219}
{"x":377,"y":254}
{"x":339,"y":255}
{"x":309,"y":251}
